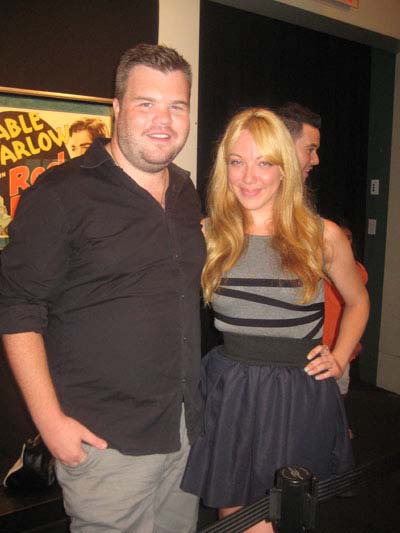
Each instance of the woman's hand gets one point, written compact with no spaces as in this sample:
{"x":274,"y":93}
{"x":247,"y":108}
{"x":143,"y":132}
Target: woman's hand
{"x":323,"y":364}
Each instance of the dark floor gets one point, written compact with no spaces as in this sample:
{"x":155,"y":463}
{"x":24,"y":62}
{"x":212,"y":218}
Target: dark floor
{"x":374,"y":416}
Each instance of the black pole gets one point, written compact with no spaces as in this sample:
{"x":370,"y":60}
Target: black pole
{"x":293,"y":502}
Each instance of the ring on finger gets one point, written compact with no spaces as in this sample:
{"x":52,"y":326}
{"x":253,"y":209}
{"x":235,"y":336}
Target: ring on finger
{"x":325,"y":350}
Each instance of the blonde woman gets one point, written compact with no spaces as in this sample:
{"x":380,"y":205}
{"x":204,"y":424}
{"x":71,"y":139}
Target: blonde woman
{"x":270,"y":391}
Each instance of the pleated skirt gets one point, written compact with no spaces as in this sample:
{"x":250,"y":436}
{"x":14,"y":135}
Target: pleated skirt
{"x":258,"y":419}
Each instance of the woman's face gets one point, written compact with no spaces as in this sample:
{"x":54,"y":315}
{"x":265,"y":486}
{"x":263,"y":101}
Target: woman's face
{"x":252,"y":179}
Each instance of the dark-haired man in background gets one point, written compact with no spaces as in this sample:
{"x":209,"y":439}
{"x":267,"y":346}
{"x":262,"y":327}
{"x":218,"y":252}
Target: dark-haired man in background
{"x":99,"y":308}
{"x":304,"y":126}
{"x":83,"y":132}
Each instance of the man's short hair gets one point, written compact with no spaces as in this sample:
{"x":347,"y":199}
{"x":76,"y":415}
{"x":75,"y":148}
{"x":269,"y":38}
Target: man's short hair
{"x":295,"y":115}
{"x":154,"y":56}
{"x":95,"y":127}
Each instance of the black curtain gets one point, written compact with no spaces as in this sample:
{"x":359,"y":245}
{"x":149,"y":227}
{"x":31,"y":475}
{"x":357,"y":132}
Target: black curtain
{"x":252,"y":60}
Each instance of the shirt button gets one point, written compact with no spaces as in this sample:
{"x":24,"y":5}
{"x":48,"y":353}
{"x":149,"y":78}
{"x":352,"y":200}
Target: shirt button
{"x":182,"y":296}
{"x":176,"y":256}
{"x":185,"y":339}
{"x":183,"y":380}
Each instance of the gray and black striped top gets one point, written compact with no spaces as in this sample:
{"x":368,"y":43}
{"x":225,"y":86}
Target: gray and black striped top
{"x":257,"y":298}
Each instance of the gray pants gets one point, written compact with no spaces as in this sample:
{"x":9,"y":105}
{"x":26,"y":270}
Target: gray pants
{"x":110,"y":492}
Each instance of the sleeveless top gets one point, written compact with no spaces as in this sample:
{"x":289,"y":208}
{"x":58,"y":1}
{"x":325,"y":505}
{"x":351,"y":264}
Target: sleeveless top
{"x":257,"y":298}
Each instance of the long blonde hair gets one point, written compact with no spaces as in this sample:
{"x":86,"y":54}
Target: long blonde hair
{"x":298,"y":232}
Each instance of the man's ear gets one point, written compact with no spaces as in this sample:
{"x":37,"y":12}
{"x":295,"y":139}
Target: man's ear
{"x":116,"y":107}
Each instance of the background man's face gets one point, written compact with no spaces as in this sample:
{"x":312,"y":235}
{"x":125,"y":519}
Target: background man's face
{"x":307,"y":146}
{"x":79,"y":142}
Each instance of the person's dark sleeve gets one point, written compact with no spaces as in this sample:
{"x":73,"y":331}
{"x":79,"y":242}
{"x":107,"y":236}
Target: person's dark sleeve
{"x":33,"y":264}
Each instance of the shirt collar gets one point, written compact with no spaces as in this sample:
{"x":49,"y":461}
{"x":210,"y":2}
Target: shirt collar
{"x":96,"y":154}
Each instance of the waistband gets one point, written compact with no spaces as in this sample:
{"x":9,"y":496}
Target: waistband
{"x":278,"y":351}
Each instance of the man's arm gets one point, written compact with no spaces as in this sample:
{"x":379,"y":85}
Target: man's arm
{"x":63,"y":435}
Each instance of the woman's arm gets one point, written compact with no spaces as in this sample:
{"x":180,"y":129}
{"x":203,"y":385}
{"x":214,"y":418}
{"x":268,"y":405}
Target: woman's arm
{"x":341,"y":268}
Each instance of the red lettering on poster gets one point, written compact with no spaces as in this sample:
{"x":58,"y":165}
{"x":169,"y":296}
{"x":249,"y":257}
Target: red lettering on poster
{"x":20,"y":179}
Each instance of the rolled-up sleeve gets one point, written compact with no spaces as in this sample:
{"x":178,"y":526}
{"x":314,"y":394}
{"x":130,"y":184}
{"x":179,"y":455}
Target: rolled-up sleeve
{"x":34,"y":263}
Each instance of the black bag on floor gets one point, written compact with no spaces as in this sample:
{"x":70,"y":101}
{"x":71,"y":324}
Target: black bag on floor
{"x":34,"y":469}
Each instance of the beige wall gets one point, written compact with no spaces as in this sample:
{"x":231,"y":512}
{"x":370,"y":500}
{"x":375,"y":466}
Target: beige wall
{"x":389,"y":346}
{"x":380,"y":16}
{"x":179,"y":22}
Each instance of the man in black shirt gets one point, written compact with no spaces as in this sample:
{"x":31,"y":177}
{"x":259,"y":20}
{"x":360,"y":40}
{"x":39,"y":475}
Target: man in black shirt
{"x":99,"y":308}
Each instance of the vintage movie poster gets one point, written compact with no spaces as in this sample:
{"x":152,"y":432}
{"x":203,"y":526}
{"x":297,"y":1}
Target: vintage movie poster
{"x":38,"y":132}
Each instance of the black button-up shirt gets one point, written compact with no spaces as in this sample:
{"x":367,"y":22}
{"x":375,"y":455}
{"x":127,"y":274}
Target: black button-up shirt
{"x":111,"y":280}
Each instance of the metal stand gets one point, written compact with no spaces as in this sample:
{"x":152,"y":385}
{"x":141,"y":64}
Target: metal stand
{"x":292,"y":504}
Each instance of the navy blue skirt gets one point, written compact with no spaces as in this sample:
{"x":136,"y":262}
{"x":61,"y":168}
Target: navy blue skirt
{"x":258,"y":419}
